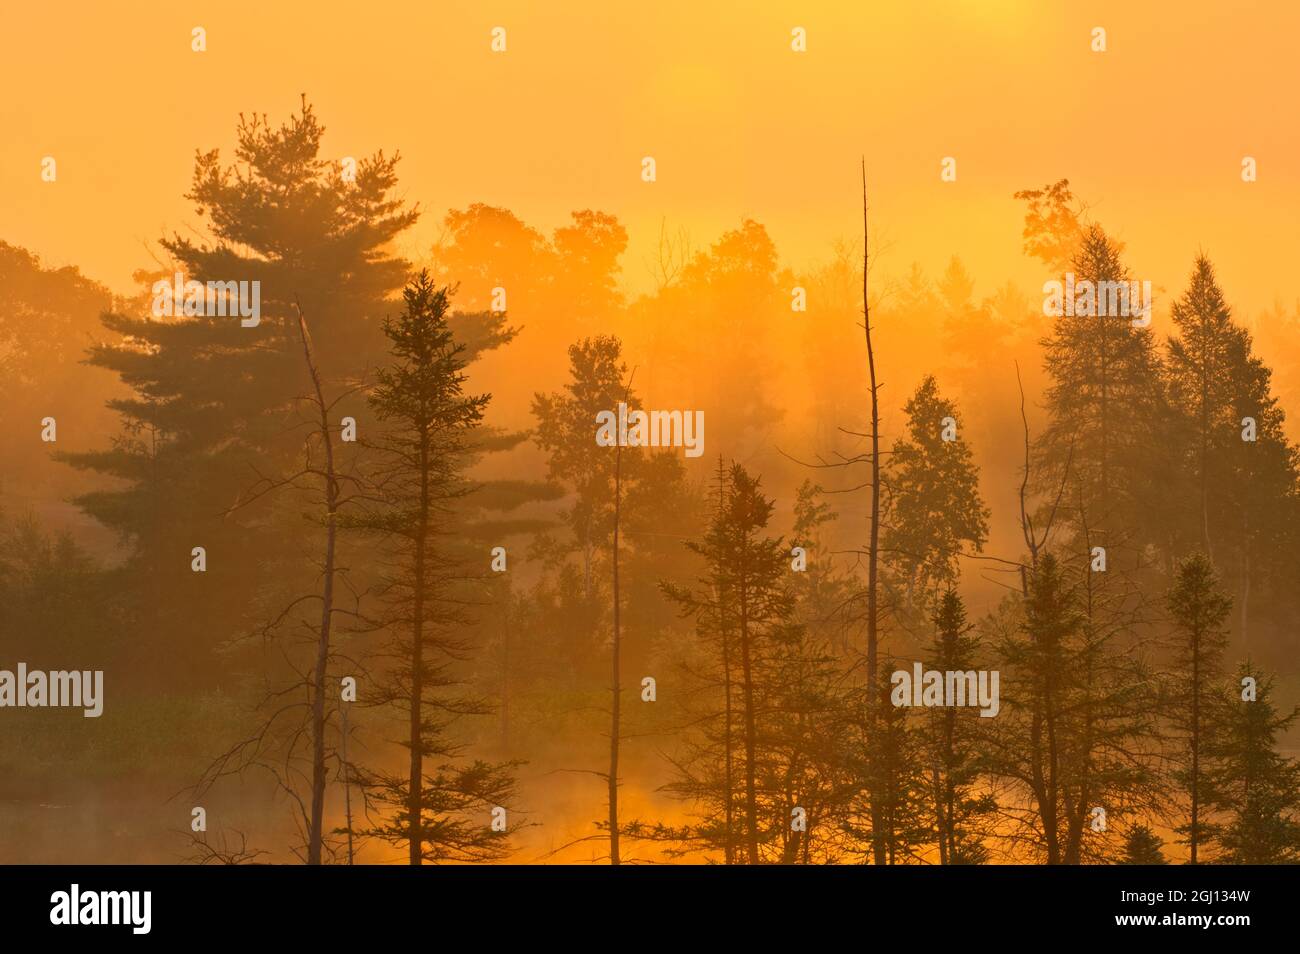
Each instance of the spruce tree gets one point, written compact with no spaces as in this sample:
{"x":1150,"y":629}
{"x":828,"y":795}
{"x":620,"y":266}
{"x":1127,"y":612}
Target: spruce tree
{"x":1142,"y":847}
{"x":1198,"y":610}
{"x":745,"y":610}
{"x":934,"y":512}
{"x":427,"y":426}
{"x":892,"y":774}
{"x":1106,"y":408}
{"x":1076,"y":722}
{"x":566,"y":428}
{"x":953,"y":747}
{"x":1247,"y":514}
{"x":808,"y":750}
{"x":707,"y":770}
{"x":1256,"y":788}
{"x":1199,"y":372}
{"x":1040,"y":665}
{"x":824,"y":590}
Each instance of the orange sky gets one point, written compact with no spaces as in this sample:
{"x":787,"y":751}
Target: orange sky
{"x":1152,"y":132}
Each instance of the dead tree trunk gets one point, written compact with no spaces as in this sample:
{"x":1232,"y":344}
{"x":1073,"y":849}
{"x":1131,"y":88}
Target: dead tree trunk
{"x":873,"y":547}
{"x":315,"y":837}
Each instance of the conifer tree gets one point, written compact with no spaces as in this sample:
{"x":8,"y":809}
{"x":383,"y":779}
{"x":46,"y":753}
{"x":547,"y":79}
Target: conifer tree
{"x":566,"y":429}
{"x":1077,"y":722}
{"x":808,"y":751}
{"x":208,"y":406}
{"x":1039,"y":661}
{"x":893,"y":780}
{"x":1199,"y":610}
{"x":745,"y":609}
{"x":952,"y":745}
{"x":824,"y":591}
{"x":1077,"y":728}
{"x":707,"y":770}
{"x":1142,"y":847}
{"x":764,"y":606}
{"x":1200,"y":382}
{"x":935,"y":513}
{"x":427,"y":426}
{"x":1247,"y":516}
{"x":1257,"y":789}
{"x":1106,"y":409}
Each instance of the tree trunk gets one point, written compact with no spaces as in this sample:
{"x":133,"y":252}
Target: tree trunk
{"x":873,"y":548}
{"x":316,"y":834}
{"x":1205,"y":449}
{"x":415,"y":781}
{"x":615,"y":684}
{"x":1245,"y":582}
{"x":729,"y":848}
{"x":746,"y":667}
{"x":347,"y":781}
{"x":505,"y":683}
{"x":1196,"y":740}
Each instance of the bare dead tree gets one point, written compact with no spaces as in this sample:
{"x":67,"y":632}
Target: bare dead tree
{"x":327,"y":600}
{"x":222,"y":851}
{"x":1033,"y":540}
{"x":672,"y":255}
{"x":873,"y":547}
{"x":290,"y":740}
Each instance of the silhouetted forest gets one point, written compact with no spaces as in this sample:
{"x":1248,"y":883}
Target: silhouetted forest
{"x":368,"y":585}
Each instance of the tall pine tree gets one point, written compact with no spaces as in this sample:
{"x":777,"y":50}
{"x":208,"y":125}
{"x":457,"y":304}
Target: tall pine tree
{"x":1257,"y":788}
{"x":209,"y":411}
{"x":440,"y":806}
{"x":1198,"y":610}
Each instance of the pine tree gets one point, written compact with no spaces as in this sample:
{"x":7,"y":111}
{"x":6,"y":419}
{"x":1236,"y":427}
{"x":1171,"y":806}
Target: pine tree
{"x":763,"y":606}
{"x":952,"y":744}
{"x":935,"y":513}
{"x":1105,"y":403}
{"x":1199,"y":373}
{"x":1198,"y":610}
{"x":707,"y":770}
{"x":427,"y":427}
{"x":47,"y":318}
{"x":1039,"y":660}
{"x":1247,"y":516}
{"x":208,"y":405}
{"x":1257,"y":789}
{"x":566,"y":427}
{"x":806,"y":779}
{"x":1077,"y":720}
{"x":824,"y":591}
{"x":1142,"y":847}
{"x":892,"y":775}
{"x":745,"y":610}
